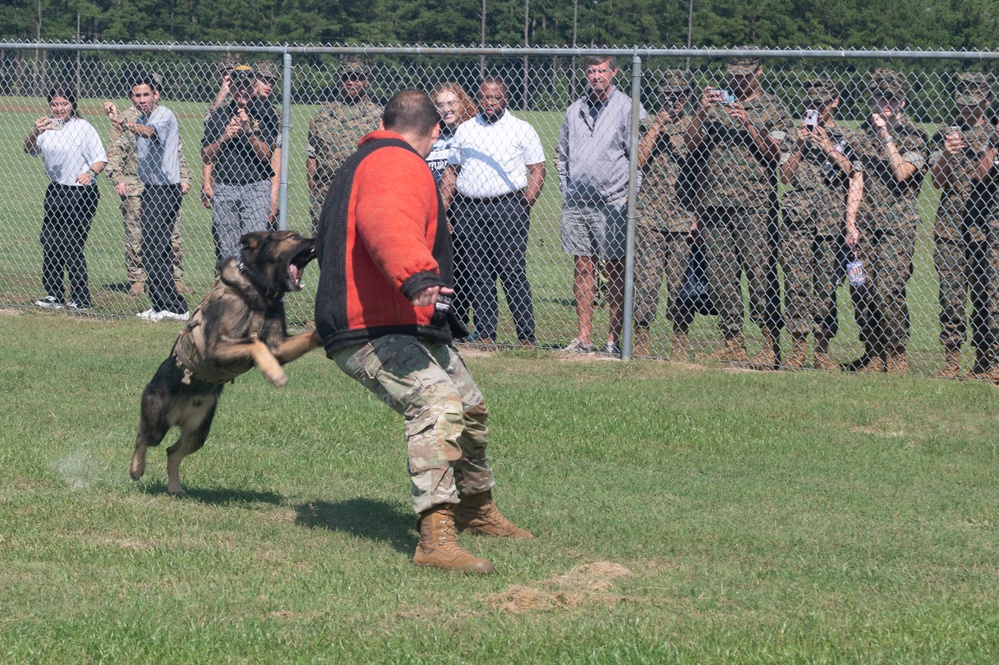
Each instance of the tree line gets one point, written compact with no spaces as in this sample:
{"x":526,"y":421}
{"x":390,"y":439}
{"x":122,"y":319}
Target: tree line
{"x":941,"y":24}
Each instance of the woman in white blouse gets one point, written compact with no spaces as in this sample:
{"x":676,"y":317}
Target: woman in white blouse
{"x":73,"y":156}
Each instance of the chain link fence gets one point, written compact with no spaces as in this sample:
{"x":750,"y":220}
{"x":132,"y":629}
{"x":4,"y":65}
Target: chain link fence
{"x":768,"y":209}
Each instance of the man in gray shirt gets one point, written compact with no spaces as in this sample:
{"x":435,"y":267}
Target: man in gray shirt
{"x":592,"y":162}
{"x":157,"y":141}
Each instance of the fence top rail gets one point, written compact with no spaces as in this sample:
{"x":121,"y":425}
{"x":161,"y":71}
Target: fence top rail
{"x":510,"y":51}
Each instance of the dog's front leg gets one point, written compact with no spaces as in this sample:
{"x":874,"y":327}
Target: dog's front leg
{"x":293,"y":348}
{"x":268,"y":364}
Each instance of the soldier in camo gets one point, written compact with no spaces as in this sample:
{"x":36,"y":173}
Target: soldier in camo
{"x":735,"y":143}
{"x":665,"y":218}
{"x":336,"y":129}
{"x":226,"y":64}
{"x":123,"y":173}
{"x":268,"y":76}
{"x":819,"y":218}
{"x":892,"y":152}
{"x":964,"y":242}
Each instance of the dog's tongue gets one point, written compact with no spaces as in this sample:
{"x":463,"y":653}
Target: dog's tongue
{"x":295,"y":272}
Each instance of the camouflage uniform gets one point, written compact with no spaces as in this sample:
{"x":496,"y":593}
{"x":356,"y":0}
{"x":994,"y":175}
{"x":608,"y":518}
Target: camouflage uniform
{"x":964,"y":237}
{"x":664,"y":221}
{"x":887,"y":220}
{"x":333,"y":136}
{"x":123,"y":167}
{"x":428,"y":383}
{"x":812,"y":244}
{"x":227,"y":63}
{"x":738,"y":199}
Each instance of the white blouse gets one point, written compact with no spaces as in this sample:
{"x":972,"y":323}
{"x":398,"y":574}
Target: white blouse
{"x":70,"y":151}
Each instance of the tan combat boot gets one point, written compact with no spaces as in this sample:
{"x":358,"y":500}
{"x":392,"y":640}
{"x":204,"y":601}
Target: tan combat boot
{"x":897,"y":363}
{"x":769,"y":355}
{"x":821,"y":355}
{"x":438,"y":546}
{"x":799,"y":353}
{"x":871,"y":365}
{"x":640,"y":340}
{"x":478,"y":514}
{"x":137,"y":289}
{"x":952,"y":363}
{"x":983,"y":365}
{"x":678,"y":347}
{"x":734,"y":351}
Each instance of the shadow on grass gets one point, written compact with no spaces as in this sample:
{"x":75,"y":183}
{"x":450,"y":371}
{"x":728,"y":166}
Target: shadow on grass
{"x":217,"y":496}
{"x":365,"y":518}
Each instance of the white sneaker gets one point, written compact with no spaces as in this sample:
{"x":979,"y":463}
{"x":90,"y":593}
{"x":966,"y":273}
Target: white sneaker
{"x":167,"y":315}
{"x":72,"y":304}
{"x":49,"y":302}
{"x":150,"y":314}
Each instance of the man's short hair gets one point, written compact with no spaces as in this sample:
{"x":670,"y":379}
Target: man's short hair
{"x":411,"y":111}
{"x":592,"y":60}
{"x":495,"y":80}
{"x":144,"y":78}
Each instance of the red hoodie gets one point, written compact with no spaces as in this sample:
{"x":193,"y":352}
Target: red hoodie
{"x":382,"y":238}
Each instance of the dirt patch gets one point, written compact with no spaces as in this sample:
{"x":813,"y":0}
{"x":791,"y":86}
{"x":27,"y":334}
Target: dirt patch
{"x":588,"y":584}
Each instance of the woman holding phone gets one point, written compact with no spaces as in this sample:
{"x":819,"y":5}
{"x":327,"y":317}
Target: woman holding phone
{"x":73,"y":155}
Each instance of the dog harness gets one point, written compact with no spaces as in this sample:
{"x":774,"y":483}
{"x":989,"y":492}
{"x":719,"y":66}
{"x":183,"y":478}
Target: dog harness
{"x":190,"y":347}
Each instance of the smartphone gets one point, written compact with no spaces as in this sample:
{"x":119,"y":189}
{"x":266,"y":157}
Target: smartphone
{"x":811,"y":119}
{"x":725,"y":97}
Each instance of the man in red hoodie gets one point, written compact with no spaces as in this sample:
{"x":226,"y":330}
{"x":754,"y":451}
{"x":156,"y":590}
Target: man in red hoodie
{"x":382,"y":311}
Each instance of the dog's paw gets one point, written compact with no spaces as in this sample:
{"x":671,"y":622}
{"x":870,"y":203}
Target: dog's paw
{"x":137,"y":469}
{"x":177,"y":492}
{"x":280,"y":380}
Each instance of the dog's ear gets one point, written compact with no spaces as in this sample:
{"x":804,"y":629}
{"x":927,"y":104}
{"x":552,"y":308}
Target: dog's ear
{"x":251,"y":240}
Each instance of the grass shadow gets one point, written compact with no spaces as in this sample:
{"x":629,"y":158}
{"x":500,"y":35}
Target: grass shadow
{"x":217,"y":496}
{"x":365,"y":518}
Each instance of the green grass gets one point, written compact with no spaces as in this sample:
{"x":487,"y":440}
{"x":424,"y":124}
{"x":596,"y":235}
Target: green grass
{"x":790,"y":518}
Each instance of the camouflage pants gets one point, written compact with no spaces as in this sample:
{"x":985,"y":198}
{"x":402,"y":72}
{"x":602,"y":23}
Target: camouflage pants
{"x":966,"y":269}
{"x":660,"y":254}
{"x":811,"y":265}
{"x":740,"y":240}
{"x":881,"y":309}
{"x":316,"y":204}
{"x":131,"y":207}
{"x":428,"y":383}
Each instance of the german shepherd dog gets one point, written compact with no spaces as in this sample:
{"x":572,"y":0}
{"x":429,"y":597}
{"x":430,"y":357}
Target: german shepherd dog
{"x":240,"y":323}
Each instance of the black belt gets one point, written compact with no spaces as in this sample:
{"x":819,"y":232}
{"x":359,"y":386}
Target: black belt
{"x":495,"y":199}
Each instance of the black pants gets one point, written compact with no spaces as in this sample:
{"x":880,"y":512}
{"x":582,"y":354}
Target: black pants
{"x":492,"y":244}
{"x":69,"y":211}
{"x":160,"y":205}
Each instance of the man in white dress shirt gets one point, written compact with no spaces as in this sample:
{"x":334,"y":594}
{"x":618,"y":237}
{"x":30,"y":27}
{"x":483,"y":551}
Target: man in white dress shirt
{"x":495,"y":174}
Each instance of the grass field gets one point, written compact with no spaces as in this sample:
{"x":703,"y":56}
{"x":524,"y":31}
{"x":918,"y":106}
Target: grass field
{"x":685,"y":514}
{"x":22,"y":184}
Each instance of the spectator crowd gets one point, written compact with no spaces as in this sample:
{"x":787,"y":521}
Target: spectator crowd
{"x":741,"y":205}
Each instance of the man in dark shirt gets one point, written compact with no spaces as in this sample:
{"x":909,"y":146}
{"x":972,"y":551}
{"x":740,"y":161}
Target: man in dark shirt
{"x":240,"y":138}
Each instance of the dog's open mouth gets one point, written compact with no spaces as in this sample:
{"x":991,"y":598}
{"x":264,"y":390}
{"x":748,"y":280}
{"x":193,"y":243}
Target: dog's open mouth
{"x":296,"y":267}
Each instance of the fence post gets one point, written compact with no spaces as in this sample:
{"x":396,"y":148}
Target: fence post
{"x":628,"y":307}
{"x":285,"y":141}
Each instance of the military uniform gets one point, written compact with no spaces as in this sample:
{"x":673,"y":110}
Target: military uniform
{"x":123,"y":168}
{"x":887,"y":220}
{"x":662,"y":227}
{"x":964,"y":237}
{"x":812,"y":245}
{"x":738,"y":202}
{"x":333,"y":136}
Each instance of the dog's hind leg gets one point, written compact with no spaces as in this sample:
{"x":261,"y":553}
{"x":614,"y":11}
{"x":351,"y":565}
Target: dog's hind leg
{"x":193,"y":432}
{"x":153,"y":426}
